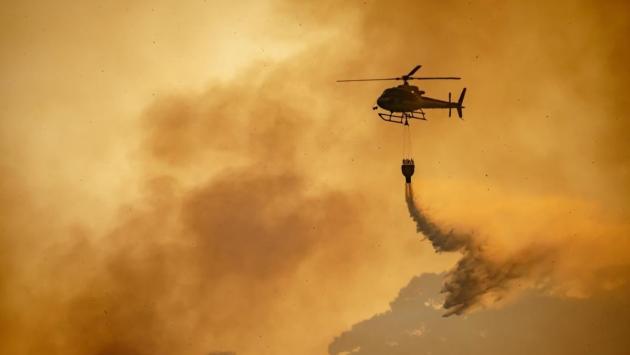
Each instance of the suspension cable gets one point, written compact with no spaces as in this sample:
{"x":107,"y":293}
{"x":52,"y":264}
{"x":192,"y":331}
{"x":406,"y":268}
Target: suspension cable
{"x":406,"y":142}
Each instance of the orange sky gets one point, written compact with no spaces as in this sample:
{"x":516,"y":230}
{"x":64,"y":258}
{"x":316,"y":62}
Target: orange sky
{"x":189,"y":178}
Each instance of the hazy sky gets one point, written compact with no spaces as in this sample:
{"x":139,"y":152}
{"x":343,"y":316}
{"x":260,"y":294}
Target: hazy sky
{"x":189,"y":178}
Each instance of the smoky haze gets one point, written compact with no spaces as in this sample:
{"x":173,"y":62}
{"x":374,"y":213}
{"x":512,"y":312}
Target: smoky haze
{"x":188,"y":177}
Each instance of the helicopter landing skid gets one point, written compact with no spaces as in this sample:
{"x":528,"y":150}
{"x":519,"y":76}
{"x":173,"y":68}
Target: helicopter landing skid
{"x":402,"y":117}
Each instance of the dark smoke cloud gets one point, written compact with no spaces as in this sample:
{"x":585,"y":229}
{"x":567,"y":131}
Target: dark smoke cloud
{"x":538,"y":323}
{"x":476,"y":274}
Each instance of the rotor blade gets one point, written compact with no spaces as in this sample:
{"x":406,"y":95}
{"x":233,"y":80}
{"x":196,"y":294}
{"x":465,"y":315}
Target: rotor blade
{"x":413,"y":71}
{"x":435,"y":78}
{"x":343,"y":81}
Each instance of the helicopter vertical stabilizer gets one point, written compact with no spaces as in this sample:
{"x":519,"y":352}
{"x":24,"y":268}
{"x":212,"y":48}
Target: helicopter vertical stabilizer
{"x":460,"y":102}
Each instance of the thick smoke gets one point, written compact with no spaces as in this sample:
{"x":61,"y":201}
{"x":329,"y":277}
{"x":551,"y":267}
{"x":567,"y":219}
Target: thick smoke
{"x":476,"y":274}
{"x":188,"y":266}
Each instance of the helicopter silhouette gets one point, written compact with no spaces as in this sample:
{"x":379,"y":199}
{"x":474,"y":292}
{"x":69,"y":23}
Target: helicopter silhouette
{"x":406,"y":101}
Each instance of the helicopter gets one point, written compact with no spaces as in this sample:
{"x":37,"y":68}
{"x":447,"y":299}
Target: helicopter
{"x":406,"y":101}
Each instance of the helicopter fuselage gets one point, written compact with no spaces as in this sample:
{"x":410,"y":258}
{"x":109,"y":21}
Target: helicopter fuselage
{"x":402,"y":98}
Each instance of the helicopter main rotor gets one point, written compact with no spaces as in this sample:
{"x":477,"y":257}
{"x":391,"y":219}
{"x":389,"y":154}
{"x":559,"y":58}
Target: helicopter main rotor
{"x":407,"y":77}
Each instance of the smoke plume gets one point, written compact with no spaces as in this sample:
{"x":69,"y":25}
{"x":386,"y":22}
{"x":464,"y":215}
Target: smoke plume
{"x":477,"y":275}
